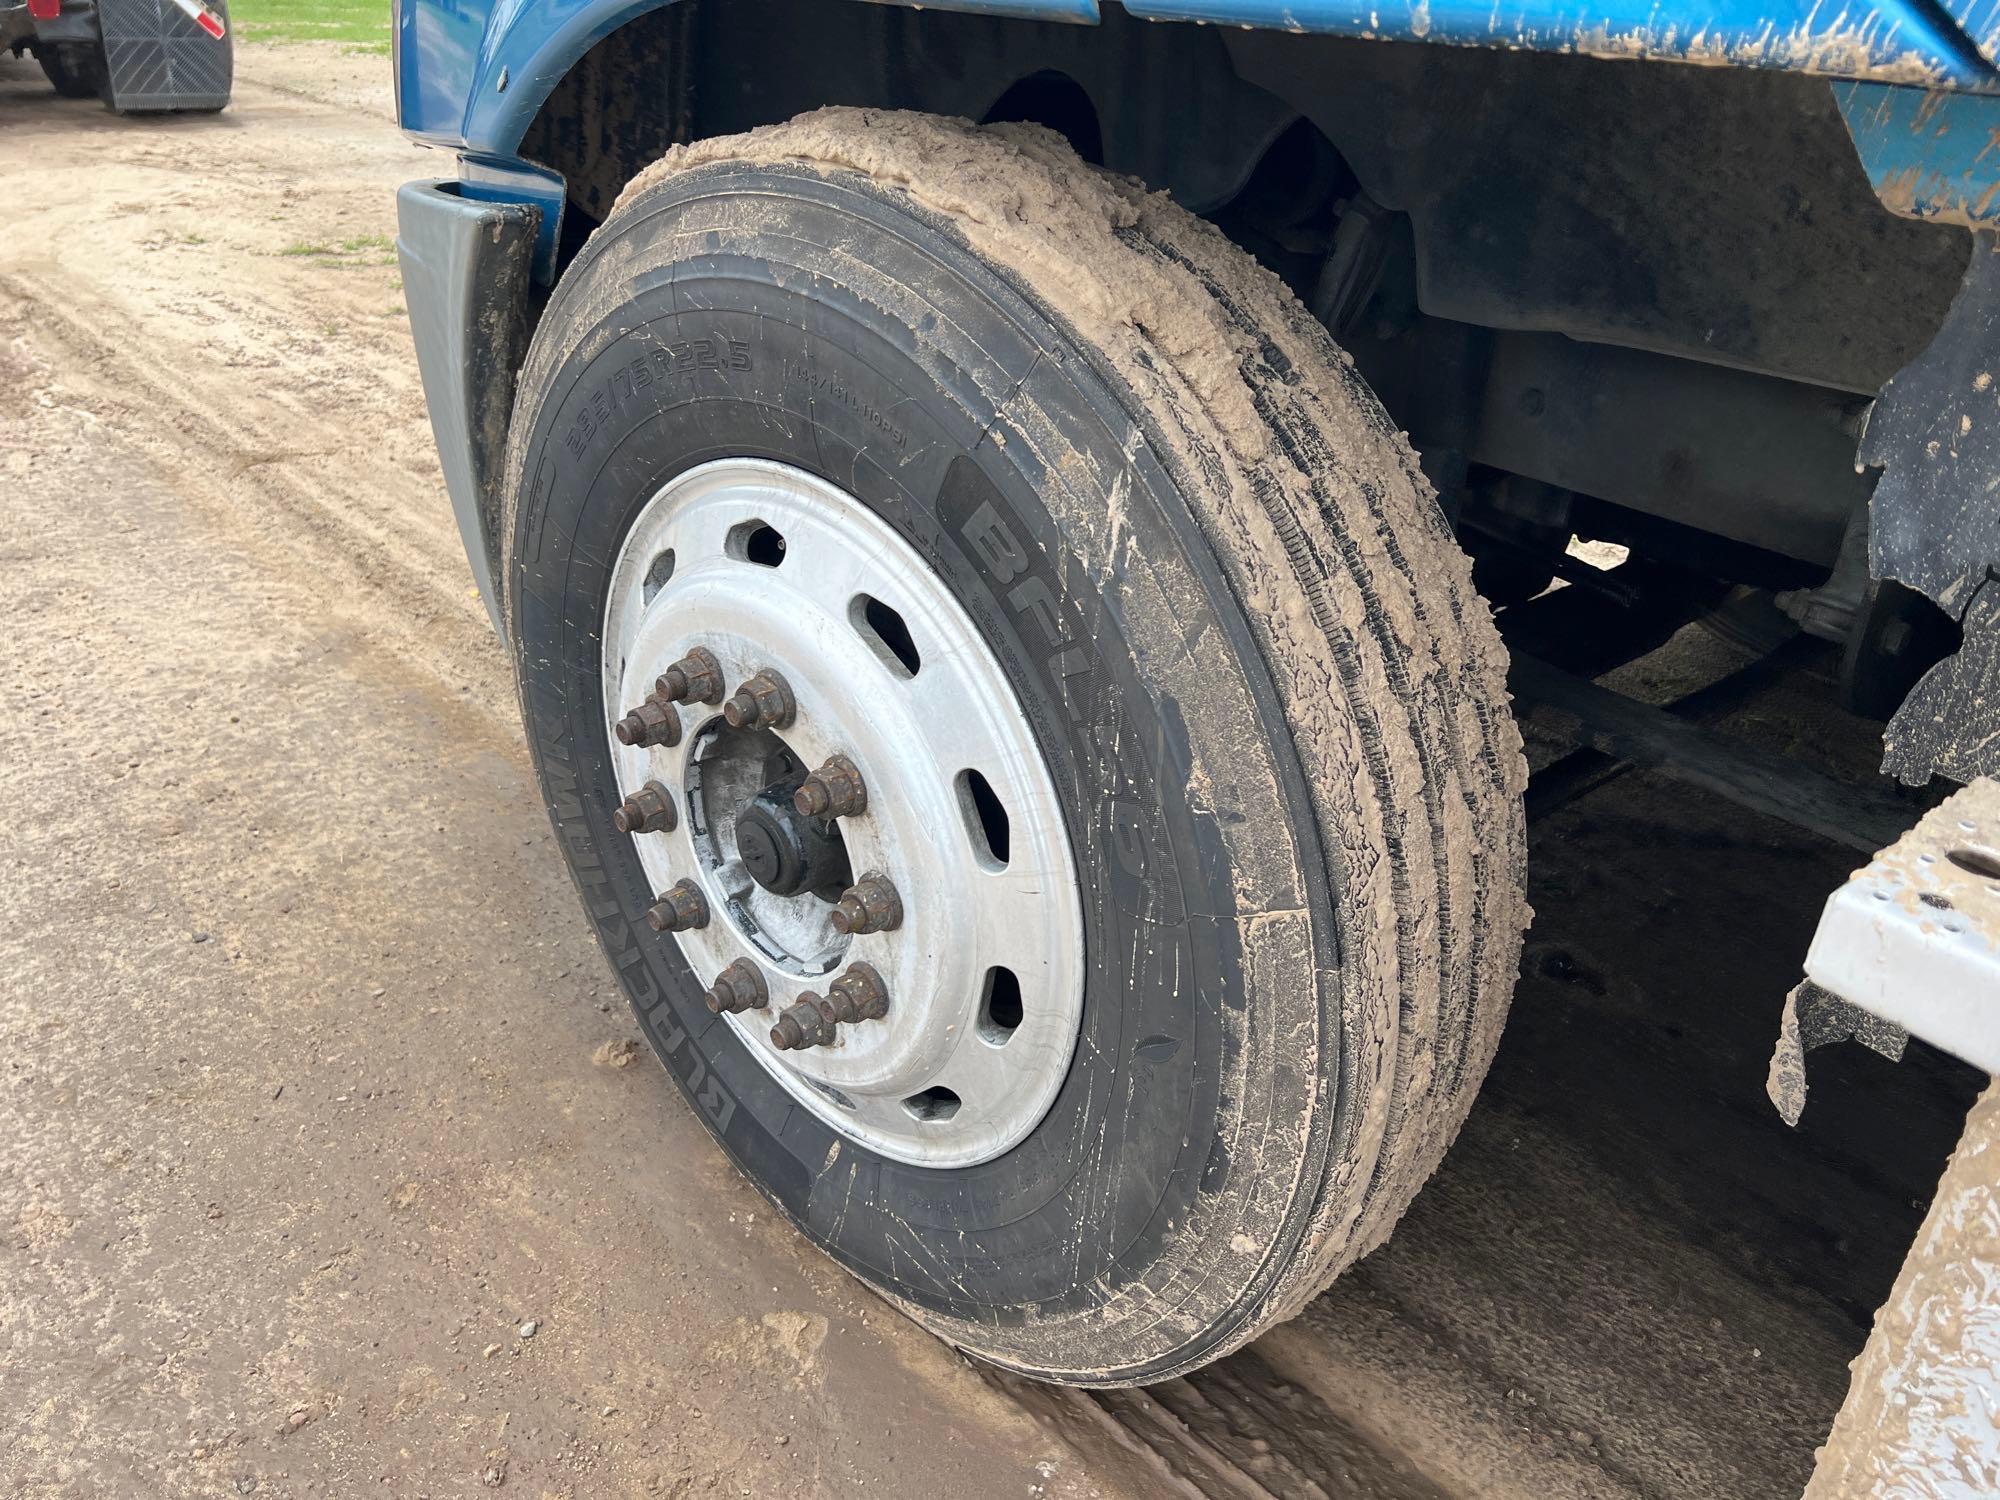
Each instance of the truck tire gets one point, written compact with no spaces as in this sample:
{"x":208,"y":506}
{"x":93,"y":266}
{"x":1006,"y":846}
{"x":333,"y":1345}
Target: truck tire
{"x":76,"y":69}
{"x":1170,"y":719}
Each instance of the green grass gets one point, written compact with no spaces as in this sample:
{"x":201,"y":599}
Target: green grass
{"x":362,"y":24}
{"x":342,"y":255}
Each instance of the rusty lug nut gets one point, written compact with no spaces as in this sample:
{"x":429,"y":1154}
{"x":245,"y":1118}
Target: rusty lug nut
{"x":648,"y":810}
{"x":695,"y":678}
{"x":764,"y":702}
{"x":739,"y":987}
{"x":802,"y":1025}
{"x":869,"y":905}
{"x":681,"y":908}
{"x":654,"y":722}
{"x":858,"y":995}
{"x":835,"y":790}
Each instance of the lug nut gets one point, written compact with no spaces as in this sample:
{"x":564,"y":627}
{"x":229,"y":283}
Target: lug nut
{"x":764,"y":702}
{"x":802,"y":1025}
{"x":858,"y":995}
{"x":739,"y":987}
{"x":654,"y":722}
{"x":869,"y":905}
{"x":681,"y":908}
{"x":648,"y":810}
{"x":835,"y":790}
{"x":695,"y":678}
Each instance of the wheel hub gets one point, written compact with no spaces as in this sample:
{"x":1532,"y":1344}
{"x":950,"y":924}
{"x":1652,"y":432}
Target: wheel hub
{"x":789,"y":854}
{"x":895,"y":928}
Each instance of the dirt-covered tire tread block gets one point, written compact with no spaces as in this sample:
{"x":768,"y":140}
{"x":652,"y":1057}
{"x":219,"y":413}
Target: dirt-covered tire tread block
{"x":1386,"y":664}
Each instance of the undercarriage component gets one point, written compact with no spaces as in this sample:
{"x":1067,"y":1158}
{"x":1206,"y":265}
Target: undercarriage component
{"x":1585,"y":769}
{"x":1646,"y":736}
{"x":1889,"y":636}
{"x":1610,"y":619}
{"x":1763,"y":461}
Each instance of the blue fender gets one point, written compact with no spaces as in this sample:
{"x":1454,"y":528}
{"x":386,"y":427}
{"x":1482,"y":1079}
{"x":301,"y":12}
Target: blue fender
{"x":472,"y":73}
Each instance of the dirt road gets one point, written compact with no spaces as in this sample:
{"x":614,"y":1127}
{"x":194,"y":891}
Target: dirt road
{"x":329,"y":1163}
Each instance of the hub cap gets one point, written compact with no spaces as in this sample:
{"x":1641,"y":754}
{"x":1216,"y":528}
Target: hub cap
{"x":774,"y":570}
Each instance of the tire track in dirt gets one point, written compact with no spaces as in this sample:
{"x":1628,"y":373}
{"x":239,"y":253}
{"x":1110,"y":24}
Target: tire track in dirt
{"x":288,"y":491}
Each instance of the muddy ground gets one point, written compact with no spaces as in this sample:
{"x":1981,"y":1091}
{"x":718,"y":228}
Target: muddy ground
{"x":330,"y":1164}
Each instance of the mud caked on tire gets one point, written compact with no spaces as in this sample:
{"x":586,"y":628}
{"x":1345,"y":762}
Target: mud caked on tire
{"x":1270,"y":704}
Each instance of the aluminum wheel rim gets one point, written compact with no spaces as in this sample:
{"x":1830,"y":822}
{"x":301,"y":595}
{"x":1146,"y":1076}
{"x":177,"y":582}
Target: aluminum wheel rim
{"x":957,"y":1072}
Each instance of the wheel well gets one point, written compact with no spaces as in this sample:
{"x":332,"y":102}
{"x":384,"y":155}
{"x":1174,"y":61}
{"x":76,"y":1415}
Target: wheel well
{"x":1531,"y":285}
{"x":1058,"y":101}
{"x":1121,"y":92}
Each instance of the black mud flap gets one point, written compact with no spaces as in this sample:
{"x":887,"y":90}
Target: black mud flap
{"x":1935,"y":526}
{"x":158,"y":57}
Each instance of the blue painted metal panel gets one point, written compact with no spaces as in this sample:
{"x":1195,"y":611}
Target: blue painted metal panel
{"x":1930,"y":154}
{"x":1981,"y":21}
{"x":1893,"y":41}
{"x":486,"y":179}
{"x":437,"y":48}
{"x":473,"y":72}
{"x":454,"y":54}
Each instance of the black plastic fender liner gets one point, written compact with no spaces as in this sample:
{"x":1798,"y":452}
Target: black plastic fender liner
{"x":1934,"y":525}
{"x":466,"y":266}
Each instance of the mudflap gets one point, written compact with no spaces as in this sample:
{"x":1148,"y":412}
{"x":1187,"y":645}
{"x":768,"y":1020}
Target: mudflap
{"x":157,"y":57}
{"x":1935,"y":526}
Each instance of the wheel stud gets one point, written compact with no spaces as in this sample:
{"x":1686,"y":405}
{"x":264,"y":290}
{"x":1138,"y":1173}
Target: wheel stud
{"x":681,"y":908}
{"x":654,"y":722}
{"x":764,"y":702}
{"x":695,"y":678}
{"x":648,"y":810}
{"x":739,"y":987}
{"x":835,"y":790}
{"x":869,"y":905}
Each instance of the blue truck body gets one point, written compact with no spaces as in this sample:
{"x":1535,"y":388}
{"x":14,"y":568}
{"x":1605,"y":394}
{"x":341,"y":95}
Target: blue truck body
{"x":471,"y":76}
{"x":452,"y":58}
